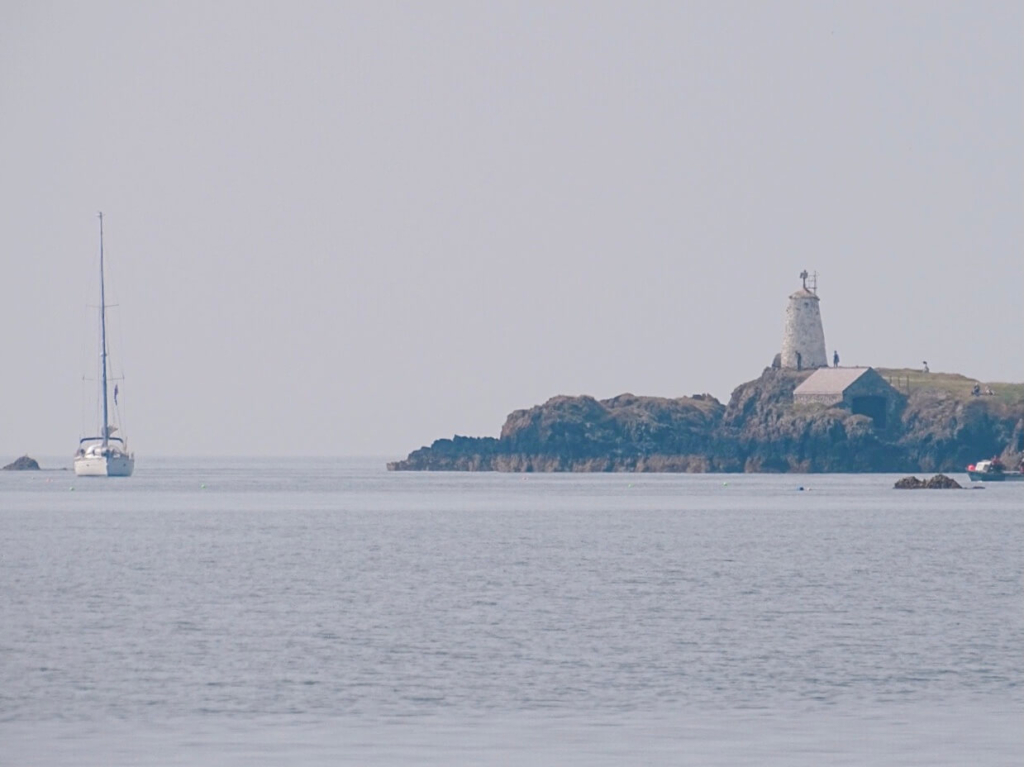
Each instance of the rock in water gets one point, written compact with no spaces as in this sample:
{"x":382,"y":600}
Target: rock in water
{"x":23,"y":464}
{"x":938,"y":482}
{"x":910,"y":483}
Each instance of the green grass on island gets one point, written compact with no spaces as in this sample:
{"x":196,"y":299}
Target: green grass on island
{"x":909,"y":380}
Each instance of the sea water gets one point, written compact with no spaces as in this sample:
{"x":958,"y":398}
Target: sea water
{"x":325,"y":611}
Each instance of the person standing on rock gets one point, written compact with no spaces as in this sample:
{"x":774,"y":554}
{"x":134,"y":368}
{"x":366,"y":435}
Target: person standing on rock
{"x":835,"y":359}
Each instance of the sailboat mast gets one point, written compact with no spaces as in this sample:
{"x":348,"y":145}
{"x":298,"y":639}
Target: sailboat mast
{"x":103,"y":342}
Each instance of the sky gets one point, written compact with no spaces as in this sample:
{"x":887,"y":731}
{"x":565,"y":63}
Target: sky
{"x":352,"y":228}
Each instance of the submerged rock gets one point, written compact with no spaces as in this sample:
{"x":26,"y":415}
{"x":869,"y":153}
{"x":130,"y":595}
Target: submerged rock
{"x":23,"y":464}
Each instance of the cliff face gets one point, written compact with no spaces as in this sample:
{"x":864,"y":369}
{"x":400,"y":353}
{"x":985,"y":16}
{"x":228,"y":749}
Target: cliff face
{"x":761,"y":430}
{"x":945,"y":433}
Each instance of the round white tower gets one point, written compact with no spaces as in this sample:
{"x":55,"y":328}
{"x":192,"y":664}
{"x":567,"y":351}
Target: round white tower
{"x":803,"y":341}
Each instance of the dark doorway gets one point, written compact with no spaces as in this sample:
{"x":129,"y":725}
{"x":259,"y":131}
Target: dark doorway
{"x":872,"y":407}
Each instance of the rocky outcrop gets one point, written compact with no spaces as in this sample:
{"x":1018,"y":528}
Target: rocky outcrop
{"x":625,"y":433}
{"x":761,"y":429}
{"x":910,"y":483}
{"x":938,"y":482}
{"x":22,"y":464}
{"x":942,"y":432}
{"x":771,"y":434}
{"x":942,"y":482}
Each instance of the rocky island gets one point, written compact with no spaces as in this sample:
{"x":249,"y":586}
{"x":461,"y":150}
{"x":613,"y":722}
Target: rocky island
{"x":800,"y":415}
{"x":22,"y":464}
{"x":882,"y":421}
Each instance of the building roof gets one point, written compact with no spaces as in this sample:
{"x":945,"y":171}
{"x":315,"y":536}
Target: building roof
{"x":830,"y":380}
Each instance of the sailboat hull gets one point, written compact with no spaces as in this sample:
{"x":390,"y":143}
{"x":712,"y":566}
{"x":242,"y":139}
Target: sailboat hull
{"x":104,"y":466}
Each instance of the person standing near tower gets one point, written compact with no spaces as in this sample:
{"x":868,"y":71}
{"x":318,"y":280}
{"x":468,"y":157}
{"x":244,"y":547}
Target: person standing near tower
{"x":835,"y":359}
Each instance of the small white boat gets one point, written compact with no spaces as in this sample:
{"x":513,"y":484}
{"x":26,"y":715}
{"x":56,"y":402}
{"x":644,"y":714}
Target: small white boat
{"x":992,"y":471}
{"x":105,"y":455}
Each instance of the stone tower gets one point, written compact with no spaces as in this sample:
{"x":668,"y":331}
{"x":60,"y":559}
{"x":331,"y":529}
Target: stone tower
{"x":803,"y":341}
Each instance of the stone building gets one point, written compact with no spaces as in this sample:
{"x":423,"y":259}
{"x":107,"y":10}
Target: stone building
{"x":803,"y":340}
{"x":862,"y":391}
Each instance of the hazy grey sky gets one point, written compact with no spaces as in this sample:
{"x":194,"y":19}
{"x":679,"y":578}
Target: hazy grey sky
{"x":351,"y":228}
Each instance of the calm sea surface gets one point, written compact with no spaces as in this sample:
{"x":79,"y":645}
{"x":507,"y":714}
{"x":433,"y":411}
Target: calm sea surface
{"x":258,"y":612}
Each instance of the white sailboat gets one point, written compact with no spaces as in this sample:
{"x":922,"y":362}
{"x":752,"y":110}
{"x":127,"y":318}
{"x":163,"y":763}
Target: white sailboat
{"x":105,"y":455}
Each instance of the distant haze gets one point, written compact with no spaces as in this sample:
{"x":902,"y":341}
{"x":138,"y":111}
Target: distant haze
{"x":351,"y":228}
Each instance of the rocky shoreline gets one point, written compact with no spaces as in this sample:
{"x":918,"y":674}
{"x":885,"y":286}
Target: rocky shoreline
{"x":761,"y":429}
